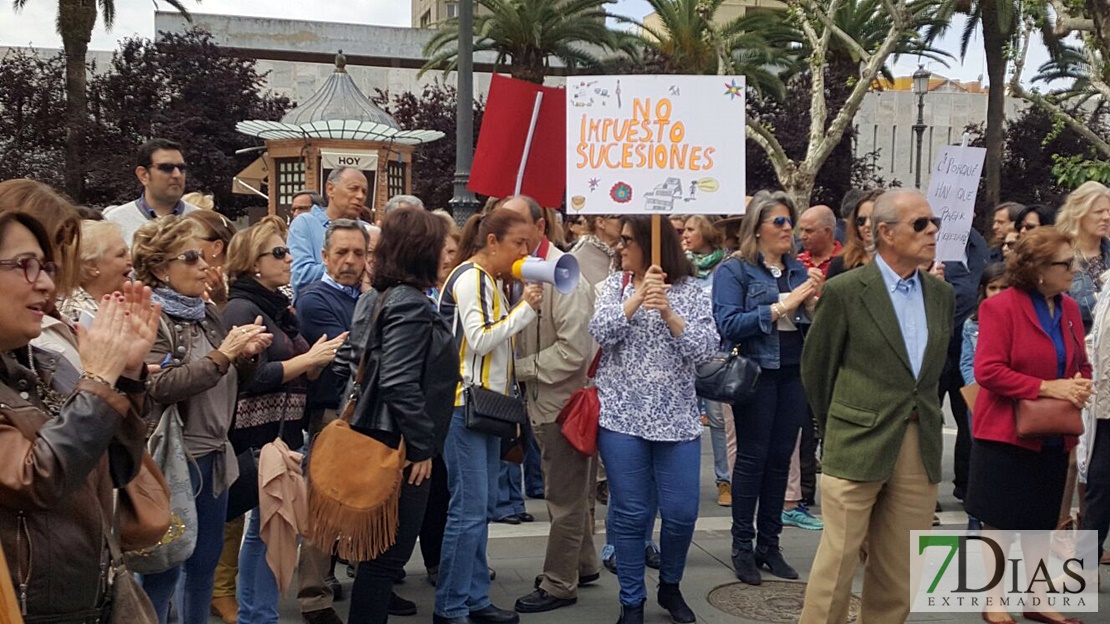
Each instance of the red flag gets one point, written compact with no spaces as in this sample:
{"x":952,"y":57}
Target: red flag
{"x":502,"y":138}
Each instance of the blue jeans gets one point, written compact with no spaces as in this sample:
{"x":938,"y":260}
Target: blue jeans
{"x":473,"y":461}
{"x":770,"y":423}
{"x":256,"y":585}
{"x":715,"y":414}
{"x":637,"y":467}
{"x":510,"y":495}
{"x":200,"y":567}
{"x":533,"y":470}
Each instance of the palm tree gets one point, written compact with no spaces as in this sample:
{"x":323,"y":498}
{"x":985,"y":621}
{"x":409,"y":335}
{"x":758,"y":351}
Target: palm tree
{"x":686,"y":39}
{"x":527,"y":35}
{"x":1000,"y":22}
{"x":76,"y":20}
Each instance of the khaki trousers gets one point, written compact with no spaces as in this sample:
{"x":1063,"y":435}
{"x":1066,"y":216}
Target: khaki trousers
{"x":883,"y":513}
{"x":568,"y":477}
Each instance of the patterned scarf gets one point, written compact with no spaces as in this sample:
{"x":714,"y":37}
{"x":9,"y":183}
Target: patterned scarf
{"x":590,"y":239}
{"x":705,"y":263}
{"x":178,"y":305}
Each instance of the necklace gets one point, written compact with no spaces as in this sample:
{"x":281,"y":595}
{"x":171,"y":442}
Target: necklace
{"x":775,"y":271}
{"x":51,"y":399}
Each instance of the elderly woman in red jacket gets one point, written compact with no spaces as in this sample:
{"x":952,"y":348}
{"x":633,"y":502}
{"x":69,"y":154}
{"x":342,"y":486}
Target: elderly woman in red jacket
{"x":1030,"y":346}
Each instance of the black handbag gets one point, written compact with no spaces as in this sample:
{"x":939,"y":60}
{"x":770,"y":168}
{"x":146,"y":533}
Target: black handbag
{"x":493,"y":413}
{"x":727,"y":378}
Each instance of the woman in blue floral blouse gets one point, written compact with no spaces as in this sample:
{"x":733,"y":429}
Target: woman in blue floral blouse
{"x":654,"y":325}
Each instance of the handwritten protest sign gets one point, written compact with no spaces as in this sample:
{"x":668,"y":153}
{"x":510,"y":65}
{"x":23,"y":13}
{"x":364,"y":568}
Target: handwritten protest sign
{"x":655,"y":145}
{"x":952,"y":188}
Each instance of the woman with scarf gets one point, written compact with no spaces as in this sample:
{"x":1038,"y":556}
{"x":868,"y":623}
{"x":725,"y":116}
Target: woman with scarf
{"x":194,"y":354}
{"x":271,"y":404}
{"x":704,"y":244}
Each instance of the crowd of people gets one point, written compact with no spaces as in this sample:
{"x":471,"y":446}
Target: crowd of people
{"x":263,"y":334}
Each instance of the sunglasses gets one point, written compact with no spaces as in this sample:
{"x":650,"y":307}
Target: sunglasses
{"x":31,"y":266}
{"x":781,"y":222}
{"x":169,"y":167}
{"x":862,"y":221}
{"x":190,"y":256}
{"x":919,"y":224}
{"x":278,"y":253}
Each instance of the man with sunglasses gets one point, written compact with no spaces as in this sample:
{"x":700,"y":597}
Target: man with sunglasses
{"x":347,"y":191}
{"x":160,"y":168}
{"x":871,"y":366}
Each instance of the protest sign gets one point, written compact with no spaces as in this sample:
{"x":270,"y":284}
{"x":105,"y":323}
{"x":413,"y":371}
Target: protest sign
{"x":655,"y":145}
{"x":521,"y":144}
{"x":952,"y":188}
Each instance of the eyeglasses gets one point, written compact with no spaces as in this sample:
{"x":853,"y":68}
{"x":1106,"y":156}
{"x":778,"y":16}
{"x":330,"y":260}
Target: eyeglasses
{"x":278,"y":253}
{"x":919,"y":224}
{"x":31,"y":266}
{"x":1067,"y":264}
{"x":189,"y":256}
{"x":627,"y":240}
{"x":781,"y":222}
{"x":169,"y":167}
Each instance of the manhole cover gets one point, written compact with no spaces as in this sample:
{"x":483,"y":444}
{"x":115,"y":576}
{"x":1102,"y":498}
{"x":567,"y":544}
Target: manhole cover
{"x":775,"y":602}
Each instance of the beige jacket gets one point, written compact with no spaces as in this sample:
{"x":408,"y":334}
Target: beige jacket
{"x":557,"y":368}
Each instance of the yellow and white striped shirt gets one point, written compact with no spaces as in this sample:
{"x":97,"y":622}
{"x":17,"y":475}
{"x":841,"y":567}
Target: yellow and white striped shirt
{"x":484,"y":326}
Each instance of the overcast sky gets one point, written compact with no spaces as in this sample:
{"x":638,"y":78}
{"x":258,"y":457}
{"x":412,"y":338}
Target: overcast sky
{"x":35,"y":25}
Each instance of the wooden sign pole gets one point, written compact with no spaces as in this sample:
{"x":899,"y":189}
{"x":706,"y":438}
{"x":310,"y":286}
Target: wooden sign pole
{"x":656,"y":232}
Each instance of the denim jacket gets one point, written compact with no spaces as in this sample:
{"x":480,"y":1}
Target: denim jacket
{"x":967,"y":350}
{"x":742,"y":298}
{"x":1085,"y":291}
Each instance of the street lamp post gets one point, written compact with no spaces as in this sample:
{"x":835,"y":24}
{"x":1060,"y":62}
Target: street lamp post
{"x":464,"y":204}
{"x":920,"y":88}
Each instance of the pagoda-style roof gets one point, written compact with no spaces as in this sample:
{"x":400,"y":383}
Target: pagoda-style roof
{"x":339,"y":110}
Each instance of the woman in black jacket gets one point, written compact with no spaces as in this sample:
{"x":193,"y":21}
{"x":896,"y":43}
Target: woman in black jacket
{"x":418,"y":366}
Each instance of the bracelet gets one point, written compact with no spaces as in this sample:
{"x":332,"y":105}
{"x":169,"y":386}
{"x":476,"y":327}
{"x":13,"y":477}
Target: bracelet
{"x":776,"y":309}
{"x":96,"y":378}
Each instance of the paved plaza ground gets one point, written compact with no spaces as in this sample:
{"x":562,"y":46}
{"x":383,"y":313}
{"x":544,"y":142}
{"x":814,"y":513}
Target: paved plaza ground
{"x":516,"y":553}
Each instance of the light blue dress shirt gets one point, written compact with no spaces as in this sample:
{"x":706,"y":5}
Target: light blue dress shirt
{"x":305,"y":242}
{"x":909,"y":306}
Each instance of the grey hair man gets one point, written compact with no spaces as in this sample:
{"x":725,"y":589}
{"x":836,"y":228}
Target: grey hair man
{"x":347,"y":191}
{"x":402,"y":201}
{"x":871,"y":366}
{"x":553,"y":357}
{"x":303,"y":201}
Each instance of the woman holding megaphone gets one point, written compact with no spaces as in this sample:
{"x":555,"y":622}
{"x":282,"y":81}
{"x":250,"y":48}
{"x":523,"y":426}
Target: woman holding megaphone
{"x":484,"y":324}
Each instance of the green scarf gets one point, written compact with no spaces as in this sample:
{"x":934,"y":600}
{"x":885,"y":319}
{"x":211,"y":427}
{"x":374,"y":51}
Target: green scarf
{"x":705,"y":263}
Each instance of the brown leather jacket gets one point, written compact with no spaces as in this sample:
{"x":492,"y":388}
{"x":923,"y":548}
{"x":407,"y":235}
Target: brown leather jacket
{"x":56,"y":479}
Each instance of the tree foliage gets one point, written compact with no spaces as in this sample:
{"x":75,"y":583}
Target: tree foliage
{"x":433,"y":167}
{"x":527,"y":34}
{"x":180,"y":86}
{"x":32,"y":103}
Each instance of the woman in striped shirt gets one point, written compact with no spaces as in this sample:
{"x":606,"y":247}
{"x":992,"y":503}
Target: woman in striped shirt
{"x":484,"y":323}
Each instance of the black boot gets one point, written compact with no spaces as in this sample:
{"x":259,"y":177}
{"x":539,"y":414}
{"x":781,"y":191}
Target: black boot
{"x":743,"y":562}
{"x":670,"y":598}
{"x":632,"y":615}
{"x":771,"y":558}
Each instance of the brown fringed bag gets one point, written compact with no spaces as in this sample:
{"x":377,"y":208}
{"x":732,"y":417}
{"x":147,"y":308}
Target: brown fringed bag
{"x":354,"y":511}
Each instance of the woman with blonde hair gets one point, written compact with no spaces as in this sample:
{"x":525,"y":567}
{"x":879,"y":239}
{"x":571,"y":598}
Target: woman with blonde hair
{"x":202,"y":364}
{"x":272,"y":403}
{"x":858,"y":247}
{"x":105,"y":267}
{"x":217,"y":234}
{"x":204,"y":201}
{"x":1085,"y":216}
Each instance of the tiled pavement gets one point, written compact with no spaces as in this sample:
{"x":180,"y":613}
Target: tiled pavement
{"x":516,"y":553}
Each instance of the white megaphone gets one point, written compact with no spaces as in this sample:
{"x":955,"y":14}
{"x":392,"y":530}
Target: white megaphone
{"x":562,"y":273}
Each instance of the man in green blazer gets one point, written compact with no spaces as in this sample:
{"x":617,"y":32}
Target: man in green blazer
{"x":871,"y":365}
